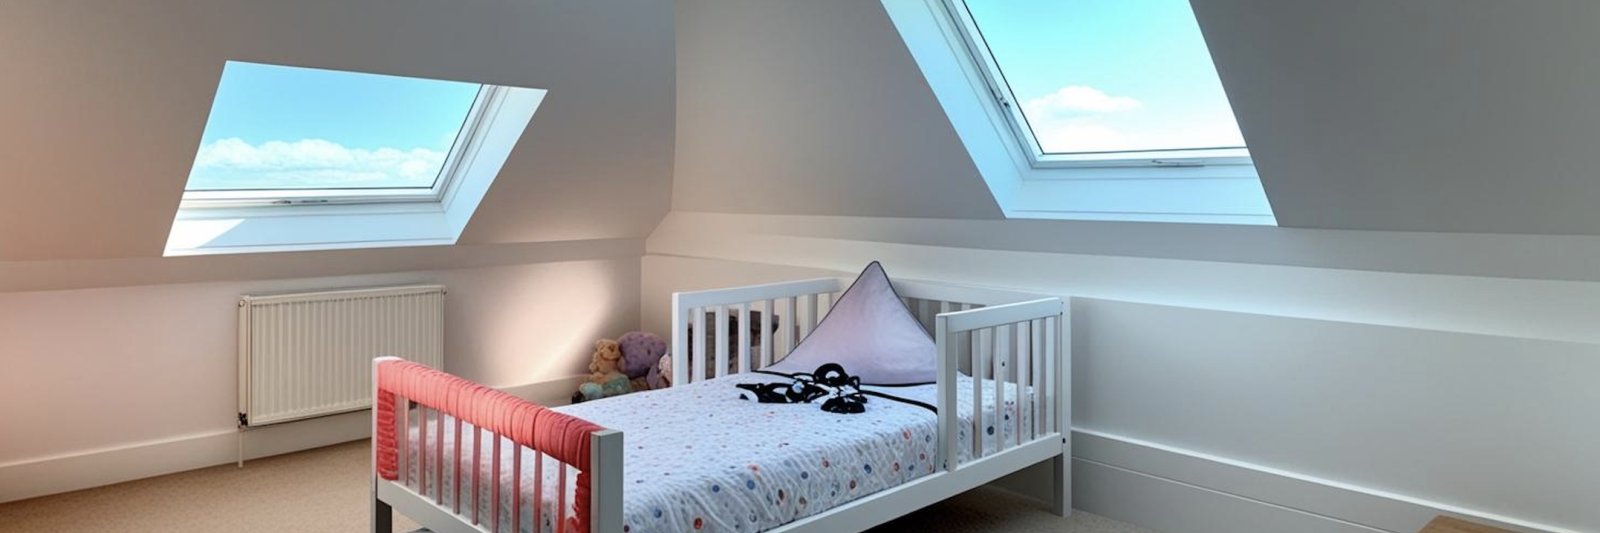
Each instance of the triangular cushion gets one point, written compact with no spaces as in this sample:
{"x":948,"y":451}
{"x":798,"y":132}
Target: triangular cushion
{"x":871,"y":333}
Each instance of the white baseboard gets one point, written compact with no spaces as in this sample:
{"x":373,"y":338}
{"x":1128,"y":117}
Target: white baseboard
{"x":1180,"y":491}
{"x":87,"y":469}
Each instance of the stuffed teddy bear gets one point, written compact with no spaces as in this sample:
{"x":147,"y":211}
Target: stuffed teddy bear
{"x":605,"y":376}
{"x":641,"y":352}
{"x":607,"y":360}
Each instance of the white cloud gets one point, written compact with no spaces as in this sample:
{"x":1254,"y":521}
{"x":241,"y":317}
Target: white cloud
{"x":234,"y":163}
{"x":1078,"y":135}
{"x":1078,"y":100}
{"x":1073,"y":119}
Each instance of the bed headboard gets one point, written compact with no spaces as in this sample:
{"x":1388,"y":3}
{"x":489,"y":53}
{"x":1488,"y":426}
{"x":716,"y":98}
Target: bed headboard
{"x":786,"y":312}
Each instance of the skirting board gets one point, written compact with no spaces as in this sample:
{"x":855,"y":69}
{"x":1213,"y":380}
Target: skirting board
{"x":82,"y":470}
{"x":1181,"y":491}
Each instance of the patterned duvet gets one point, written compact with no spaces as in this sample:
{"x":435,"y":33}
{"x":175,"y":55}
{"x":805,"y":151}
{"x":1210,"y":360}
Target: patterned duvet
{"x":699,"y":459}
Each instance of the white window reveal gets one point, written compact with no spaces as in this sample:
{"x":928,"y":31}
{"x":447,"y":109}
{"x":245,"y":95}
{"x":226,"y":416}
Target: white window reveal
{"x":1088,"y":109}
{"x":307,"y":159}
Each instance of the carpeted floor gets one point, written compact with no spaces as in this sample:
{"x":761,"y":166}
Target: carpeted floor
{"x":326,"y":490}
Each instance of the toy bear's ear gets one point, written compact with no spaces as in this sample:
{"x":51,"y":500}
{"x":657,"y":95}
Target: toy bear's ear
{"x":599,"y":344}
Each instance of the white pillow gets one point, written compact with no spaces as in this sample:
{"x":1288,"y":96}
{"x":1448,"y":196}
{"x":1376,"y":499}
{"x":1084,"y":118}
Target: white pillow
{"x":872,"y":334}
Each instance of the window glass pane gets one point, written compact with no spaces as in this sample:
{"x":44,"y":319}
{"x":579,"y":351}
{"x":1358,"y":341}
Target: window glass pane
{"x":288,"y":128}
{"x":1108,"y":75}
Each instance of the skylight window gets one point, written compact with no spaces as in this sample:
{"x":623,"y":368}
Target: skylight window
{"x":1106,"y":77}
{"x":375,"y":160}
{"x":1087,"y":109}
{"x":320,"y":134}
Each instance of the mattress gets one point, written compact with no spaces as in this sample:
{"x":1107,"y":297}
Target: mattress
{"x":698,"y":458}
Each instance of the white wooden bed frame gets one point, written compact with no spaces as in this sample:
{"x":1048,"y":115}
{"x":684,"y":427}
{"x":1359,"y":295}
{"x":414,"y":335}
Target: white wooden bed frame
{"x":975,"y":330}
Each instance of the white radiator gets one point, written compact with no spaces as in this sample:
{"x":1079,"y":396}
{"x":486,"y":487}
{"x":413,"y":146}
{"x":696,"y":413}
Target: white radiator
{"x":310,"y":354}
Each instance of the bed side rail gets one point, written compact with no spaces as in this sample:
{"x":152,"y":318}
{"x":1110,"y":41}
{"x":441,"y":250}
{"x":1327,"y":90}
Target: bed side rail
{"x":1017,"y":347}
{"x":440,"y":491}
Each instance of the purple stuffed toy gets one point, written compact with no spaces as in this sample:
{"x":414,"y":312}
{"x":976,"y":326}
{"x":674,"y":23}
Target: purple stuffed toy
{"x":641,"y":352}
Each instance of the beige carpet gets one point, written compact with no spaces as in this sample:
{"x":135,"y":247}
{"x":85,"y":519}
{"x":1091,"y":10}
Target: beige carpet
{"x":326,"y":490}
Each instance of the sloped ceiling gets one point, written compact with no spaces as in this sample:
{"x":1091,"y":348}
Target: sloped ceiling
{"x":1424,"y":115}
{"x":812,"y":108}
{"x":1415,"y":115}
{"x":103,"y":105}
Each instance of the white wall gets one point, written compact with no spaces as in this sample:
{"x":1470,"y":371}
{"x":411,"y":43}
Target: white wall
{"x":1419,"y":115}
{"x":1380,"y":398}
{"x":805,"y":108}
{"x":1226,"y":379}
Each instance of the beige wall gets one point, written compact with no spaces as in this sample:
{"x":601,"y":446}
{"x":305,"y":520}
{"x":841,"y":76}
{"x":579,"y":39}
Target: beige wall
{"x":118,"y":363}
{"x":105,"y":103}
{"x":152,"y":370}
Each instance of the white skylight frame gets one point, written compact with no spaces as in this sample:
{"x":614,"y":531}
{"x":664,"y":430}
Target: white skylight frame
{"x":472,"y":127}
{"x":337,"y":219}
{"x":993,"y":77}
{"x":1211,"y":187}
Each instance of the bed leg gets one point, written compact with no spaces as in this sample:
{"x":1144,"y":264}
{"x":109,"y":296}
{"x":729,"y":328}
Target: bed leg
{"x":382,"y":516}
{"x":1061,"y":497}
{"x":1048,"y":482}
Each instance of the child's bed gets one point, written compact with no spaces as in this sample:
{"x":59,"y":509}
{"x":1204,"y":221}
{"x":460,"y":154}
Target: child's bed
{"x":697,"y":458}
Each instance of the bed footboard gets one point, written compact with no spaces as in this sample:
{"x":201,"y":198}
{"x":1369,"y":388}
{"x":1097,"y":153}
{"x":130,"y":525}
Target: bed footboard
{"x":424,"y":472}
{"x":1015,"y":349}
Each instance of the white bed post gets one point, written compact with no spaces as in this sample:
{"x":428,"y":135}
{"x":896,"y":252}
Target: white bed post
{"x":382,"y":513}
{"x":680,"y":342}
{"x":605,"y":481}
{"x":1062,"y":502}
{"x":949,"y":436}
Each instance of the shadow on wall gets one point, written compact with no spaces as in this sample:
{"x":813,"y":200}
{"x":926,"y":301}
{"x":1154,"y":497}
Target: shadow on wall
{"x":532,"y":323}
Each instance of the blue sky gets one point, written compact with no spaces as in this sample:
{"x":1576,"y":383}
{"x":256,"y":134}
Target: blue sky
{"x":275,"y":127}
{"x":1107,"y":75}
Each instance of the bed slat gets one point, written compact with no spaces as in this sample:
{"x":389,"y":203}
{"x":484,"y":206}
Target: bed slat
{"x":1036,"y":414}
{"x":767,"y":311}
{"x":403,"y":438}
{"x":494,"y":486}
{"x":516,"y":488}
{"x":1000,"y":348}
{"x":722,"y":342}
{"x":438,"y":457}
{"x":744,"y":338}
{"x":455,"y":467}
{"x":422,"y":449}
{"x":979,"y":360}
{"x":1051,"y":376}
{"x":561,"y":502}
{"x":538,"y":490}
{"x":787,"y":323}
{"x":697,"y":364}
{"x":1018,"y":375}
{"x":477,"y":469}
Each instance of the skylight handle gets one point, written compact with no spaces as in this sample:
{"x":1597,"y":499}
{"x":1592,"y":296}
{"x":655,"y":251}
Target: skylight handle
{"x":1178,"y":162}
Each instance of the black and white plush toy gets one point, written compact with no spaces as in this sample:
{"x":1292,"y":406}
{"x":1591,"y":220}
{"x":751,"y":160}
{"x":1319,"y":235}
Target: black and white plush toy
{"x":839,"y":392}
